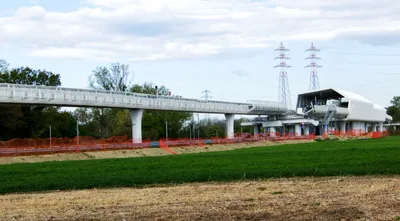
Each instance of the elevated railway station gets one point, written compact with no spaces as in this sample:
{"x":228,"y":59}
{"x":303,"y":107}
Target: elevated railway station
{"x":325,"y":111}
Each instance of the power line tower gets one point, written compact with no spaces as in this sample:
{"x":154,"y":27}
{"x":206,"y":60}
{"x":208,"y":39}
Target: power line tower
{"x":284,"y":91}
{"x":314,"y":80}
{"x":206,"y":94}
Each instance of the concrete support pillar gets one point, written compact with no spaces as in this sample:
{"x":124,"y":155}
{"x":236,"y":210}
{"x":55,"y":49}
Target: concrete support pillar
{"x":272,"y":131}
{"x":394,"y":128}
{"x":374,"y":126}
{"x":297,"y":130}
{"x":359,"y":126}
{"x":306,"y":130}
{"x":229,"y":130}
{"x":362,"y":127}
{"x":136,"y":118}
{"x":343,"y":127}
{"x":291,"y":129}
{"x":325,"y":130}
{"x":381,"y":127}
{"x":256,"y":130}
{"x":356,"y":126}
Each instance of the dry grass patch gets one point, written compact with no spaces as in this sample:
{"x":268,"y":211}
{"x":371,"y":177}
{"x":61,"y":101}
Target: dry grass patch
{"x":335,"y":198}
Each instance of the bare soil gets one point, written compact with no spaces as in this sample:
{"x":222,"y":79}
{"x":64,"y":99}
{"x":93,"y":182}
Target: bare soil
{"x":333,"y":198}
{"x":140,"y":152}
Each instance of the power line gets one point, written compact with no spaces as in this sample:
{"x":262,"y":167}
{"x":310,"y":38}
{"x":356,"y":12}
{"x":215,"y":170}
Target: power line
{"x":371,"y":54}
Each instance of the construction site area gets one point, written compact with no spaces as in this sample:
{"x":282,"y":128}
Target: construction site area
{"x":27,"y":147}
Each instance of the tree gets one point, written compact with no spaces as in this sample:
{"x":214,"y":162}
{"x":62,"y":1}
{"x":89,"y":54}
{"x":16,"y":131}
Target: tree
{"x":3,"y":66}
{"x":104,"y":122}
{"x":28,"y":121}
{"x":149,"y":88}
{"x":394,"y":109}
{"x":62,"y":123}
{"x":115,"y":78}
{"x":396,"y":101}
{"x":26,"y":75}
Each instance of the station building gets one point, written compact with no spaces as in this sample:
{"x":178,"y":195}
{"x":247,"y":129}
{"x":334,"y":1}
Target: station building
{"x":326,"y":111}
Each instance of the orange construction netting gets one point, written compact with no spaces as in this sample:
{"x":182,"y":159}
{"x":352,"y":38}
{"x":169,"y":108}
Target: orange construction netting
{"x":30,"y":146}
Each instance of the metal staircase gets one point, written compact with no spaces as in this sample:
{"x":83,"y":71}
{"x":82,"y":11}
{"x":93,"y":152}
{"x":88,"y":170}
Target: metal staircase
{"x":330,"y":112}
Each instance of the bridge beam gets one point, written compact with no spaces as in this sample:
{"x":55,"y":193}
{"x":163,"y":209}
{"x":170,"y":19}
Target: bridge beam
{"x":136,"y":118}
{"x":230,"y":122}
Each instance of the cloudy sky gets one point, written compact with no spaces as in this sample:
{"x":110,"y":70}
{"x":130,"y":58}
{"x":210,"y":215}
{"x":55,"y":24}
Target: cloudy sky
{"x":225,"y":46}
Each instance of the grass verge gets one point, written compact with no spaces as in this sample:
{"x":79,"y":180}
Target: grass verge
{"x":358,"y":157}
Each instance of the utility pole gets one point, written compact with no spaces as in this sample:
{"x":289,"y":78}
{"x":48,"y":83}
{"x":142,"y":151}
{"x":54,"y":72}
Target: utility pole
{"x":190,"y":132}
{"x":194,"y":131}
{"x":198,"y":126}
{"x":166,"y":131}
{"x":50,"y":135}
{"x":77,"y":131}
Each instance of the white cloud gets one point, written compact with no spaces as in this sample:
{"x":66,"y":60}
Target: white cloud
{"x":164,"y":29}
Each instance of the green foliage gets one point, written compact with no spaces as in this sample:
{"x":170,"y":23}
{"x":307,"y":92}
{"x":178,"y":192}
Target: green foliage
{"x":26,"y":75}
{"x":149,"y":88}
{"x":114,"y":78}
{"x":3,"y":66}
{"x":29,"y":121}
{"x":396,"y":101}
{"x":394,"y":109}
{"x":208,"y":128}
{"x":356,"y":157}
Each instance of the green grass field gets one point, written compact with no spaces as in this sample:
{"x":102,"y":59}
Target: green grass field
{"x":358,"y":157}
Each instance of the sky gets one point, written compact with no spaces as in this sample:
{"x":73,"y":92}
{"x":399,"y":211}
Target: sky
{"x":224,"y":46}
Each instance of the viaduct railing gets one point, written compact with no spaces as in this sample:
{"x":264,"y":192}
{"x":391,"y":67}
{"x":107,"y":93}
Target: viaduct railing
{"x":57,"y":96}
